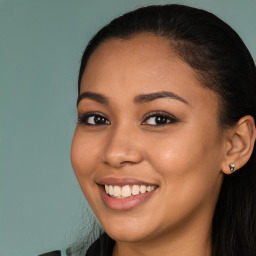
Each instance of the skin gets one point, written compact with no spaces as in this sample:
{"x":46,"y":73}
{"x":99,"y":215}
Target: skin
{"x":183,"y":158}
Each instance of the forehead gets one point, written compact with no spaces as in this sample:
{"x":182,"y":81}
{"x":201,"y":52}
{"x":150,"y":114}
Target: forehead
{"x":143,"y":45}
{"x":143,"y":64}
{"x":144,"y":56}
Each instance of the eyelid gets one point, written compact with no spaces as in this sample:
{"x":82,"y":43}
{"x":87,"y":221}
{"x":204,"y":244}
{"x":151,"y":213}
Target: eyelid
{"x":171,"y":117}
{"x":82,"y":117}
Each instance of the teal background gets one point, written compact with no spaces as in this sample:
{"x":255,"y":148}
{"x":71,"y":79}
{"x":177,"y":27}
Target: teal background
{"x":41,"y":43}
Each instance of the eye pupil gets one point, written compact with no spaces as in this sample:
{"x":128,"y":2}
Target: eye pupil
{"x":99,"y":120}
{"x":161,"y":120}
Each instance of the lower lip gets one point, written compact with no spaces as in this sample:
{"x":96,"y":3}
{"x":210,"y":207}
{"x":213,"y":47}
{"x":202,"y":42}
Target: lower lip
{"x":123,"y":204}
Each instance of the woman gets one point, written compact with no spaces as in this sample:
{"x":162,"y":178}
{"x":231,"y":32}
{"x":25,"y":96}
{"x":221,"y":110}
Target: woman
{"x":164,"y":145}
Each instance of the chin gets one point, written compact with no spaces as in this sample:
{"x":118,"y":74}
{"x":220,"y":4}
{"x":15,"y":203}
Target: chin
{"x":126,"y":235}
{"x":129,"y":230}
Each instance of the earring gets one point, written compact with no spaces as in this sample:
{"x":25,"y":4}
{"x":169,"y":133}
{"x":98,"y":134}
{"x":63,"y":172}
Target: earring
{"x":232,"y":167}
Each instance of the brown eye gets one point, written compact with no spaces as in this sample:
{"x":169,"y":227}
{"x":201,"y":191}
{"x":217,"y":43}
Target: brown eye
{"x":93,"y":119}
{"x":99,"y":120}
{"x":159,"y":119}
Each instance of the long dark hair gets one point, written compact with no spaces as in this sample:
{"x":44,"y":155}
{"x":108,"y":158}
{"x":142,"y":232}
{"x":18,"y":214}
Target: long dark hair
{"x":223,"y":64}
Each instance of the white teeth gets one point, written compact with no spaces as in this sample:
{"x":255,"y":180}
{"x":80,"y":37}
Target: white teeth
{"x":150,"y":188}
{"x":106,"y":188}
{"x":110,"y":190}
{"x":143,"y":189}
{"x":117,"y":191}
{"x":127,"y":190}
{"x":135,"y":189}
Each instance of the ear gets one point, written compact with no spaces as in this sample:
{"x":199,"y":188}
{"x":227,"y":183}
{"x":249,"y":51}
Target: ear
{"x":240,"y":144}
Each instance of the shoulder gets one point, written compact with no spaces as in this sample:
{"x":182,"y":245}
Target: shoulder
{"x":102,"y":246}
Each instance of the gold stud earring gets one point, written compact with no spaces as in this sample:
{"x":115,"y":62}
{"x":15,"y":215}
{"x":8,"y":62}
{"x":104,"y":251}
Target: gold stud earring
{"x":232,"y":167}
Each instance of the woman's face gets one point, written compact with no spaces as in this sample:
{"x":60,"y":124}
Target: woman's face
{"x":146,"y":123}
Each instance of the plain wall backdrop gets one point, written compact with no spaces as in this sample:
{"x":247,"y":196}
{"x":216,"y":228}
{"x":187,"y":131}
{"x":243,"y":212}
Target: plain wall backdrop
{"x":41,"y":43}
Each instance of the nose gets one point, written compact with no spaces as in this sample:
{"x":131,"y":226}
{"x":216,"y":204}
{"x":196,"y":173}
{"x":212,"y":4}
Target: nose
{"x":122,"y":148}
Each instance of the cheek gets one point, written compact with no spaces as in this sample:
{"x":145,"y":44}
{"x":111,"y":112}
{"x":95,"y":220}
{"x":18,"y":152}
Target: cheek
{"x":83,"y":156}
{"x":196,"y":144}
{"x":188,"y":165}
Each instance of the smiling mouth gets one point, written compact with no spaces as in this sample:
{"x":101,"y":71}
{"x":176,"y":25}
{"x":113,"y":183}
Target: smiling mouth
{"x":127,"y":190}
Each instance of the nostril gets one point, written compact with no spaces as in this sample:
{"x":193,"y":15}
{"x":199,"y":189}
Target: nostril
{"x":122,"y":158}
{"x":120,"y":164}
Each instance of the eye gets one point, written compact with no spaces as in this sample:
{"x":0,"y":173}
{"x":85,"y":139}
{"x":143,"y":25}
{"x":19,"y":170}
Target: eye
{"x":93,"y":119}
{"x":159,"y":119}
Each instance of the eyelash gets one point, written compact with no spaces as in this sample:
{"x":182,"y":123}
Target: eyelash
{"x":83,"y":119}
{"x":167,"y":119}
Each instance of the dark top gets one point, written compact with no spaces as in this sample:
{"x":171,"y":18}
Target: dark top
{"x":103,"y":246}
{"x":53,"y":253}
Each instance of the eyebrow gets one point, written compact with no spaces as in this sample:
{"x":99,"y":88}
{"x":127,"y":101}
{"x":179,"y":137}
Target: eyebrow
{"x":139,"y":99}
{"x":93,"y":96}
{"x":143,"y":98}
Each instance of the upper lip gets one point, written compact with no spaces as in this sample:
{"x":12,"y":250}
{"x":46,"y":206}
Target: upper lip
{"x":123,"y":181}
